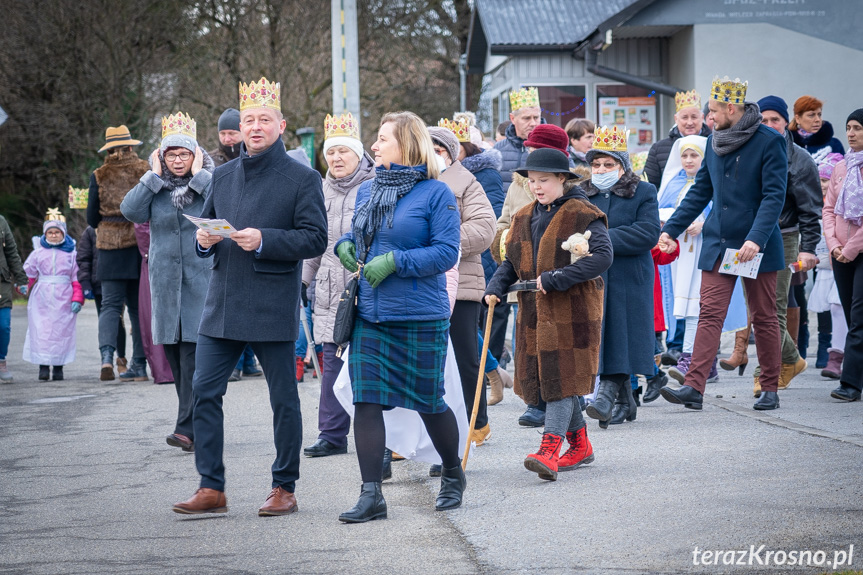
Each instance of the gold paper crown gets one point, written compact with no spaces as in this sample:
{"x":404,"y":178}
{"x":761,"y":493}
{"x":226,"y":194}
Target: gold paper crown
{"x":343,"y":125}
{"x":460,"y":129}
{"x":728,"y":90}
{"x":264,"y":94}
{"x":179,"y":124}
{"x":610,"y":139}
{"x":689,"y":99}
{"x":54,"y":215}
{"x":524,"y":98}
{"x":78,"y":198}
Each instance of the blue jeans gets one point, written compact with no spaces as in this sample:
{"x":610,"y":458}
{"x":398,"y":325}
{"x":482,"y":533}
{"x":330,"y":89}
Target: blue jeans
{"x":302,"y":344}
{"x":5,"y":331}
{"x":247,"y":360}
{"x":490,"y":362}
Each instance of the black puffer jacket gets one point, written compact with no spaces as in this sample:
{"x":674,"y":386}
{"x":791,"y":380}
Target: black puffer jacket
{"x":657,"y":157}
{"x":803,"y":201}
{"x":88,"y":259}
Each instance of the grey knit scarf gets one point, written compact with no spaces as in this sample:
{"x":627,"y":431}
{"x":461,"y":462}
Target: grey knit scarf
{"x":181,"y":195}
{"x":387,"y":187}
{"x":729,"y":140}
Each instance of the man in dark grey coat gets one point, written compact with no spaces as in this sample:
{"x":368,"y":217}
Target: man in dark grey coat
{"x":277,"y":205}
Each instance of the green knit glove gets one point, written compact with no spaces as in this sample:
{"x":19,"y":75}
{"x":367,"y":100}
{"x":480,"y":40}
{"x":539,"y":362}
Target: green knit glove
{"x":379,"y":268}
{"x":347,"y":252}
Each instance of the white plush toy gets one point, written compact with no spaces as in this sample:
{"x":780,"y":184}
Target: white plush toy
{"x":577,"y":245}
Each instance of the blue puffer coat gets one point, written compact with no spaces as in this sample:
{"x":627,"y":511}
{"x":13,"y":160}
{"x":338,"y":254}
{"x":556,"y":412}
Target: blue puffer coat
{"x":424,"y":239}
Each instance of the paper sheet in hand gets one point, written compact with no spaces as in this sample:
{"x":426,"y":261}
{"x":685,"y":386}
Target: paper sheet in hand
{"x":214,"y":227}
{"x":732,"y":266}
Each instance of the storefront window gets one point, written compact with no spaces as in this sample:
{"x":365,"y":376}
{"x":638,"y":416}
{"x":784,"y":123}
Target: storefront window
{"x":630,"y":107}
{"x":560,"y":104}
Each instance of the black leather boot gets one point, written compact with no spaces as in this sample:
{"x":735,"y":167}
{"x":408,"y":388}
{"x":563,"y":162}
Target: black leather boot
{"x":603,"y":405}
{"x":57,"y":374}
{"x":769,"y":400}
{"x":44,"y":372}
{"x":387,"y":470}
{"x":625,"y":408}
{"x":452,"y":486}
{"x":654,"y":384}
{"x":371,"y":505}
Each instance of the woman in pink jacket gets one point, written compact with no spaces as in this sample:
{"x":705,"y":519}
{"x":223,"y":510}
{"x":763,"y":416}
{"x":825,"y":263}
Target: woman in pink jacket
{"x":843,"y":218}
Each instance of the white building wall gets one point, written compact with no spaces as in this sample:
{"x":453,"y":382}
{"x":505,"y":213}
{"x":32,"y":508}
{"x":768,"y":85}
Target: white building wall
{"x":780,"y":62}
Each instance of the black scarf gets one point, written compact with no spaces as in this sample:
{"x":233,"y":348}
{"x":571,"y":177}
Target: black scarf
{"x":729,"y":140}
{"x":387,"y":187}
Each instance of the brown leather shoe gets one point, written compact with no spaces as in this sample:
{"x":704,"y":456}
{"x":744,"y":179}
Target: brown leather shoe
{"x":204,"y":500}
{"x":279,"y":502}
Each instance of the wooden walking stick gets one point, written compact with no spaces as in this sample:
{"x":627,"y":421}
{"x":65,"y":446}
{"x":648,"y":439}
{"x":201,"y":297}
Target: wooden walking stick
{"x":492,"y":301}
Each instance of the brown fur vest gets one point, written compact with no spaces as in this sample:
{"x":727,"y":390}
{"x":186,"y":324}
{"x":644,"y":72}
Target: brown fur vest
{"x":119,"y":174}
{"x":557,"y":333}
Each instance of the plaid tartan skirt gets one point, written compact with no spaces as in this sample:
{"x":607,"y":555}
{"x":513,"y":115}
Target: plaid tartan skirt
{"x":399,"y":364}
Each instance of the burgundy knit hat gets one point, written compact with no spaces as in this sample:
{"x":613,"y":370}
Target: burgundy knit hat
{"x":548,"y":136}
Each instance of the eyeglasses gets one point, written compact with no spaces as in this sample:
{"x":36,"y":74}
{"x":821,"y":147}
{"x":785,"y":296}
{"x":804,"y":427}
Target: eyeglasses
{"x":184,"y":156}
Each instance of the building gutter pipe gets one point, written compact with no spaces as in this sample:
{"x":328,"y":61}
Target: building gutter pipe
{"x":590,"y":57}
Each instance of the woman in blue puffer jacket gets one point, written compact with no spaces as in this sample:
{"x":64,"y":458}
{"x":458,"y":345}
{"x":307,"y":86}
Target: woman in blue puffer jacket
{"x":406,"y":230}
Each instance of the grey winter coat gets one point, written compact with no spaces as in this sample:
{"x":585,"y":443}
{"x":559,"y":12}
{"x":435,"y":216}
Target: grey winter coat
{"x":340,"y":197}
{"x":178,"y":277}
{"x":477,"y":229}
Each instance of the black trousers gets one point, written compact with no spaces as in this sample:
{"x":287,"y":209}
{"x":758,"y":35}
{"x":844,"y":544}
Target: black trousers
{"x":215,"y":359}
{"x":849,"y":283}
{"x":114,"y":294}
{"x":462,"y":332}
{"x":181,"y":358}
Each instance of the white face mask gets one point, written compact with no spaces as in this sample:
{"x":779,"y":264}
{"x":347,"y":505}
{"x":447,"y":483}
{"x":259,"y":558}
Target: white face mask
{"x":606,"y":180}
{"x":441,"y":163}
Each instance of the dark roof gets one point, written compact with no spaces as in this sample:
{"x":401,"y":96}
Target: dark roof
{"x":514,"y":26}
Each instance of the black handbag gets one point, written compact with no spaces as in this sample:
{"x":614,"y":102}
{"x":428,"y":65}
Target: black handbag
{"x":346,"y":313}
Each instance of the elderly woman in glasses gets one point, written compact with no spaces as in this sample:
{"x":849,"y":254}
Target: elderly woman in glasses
{"x":176,"y":186}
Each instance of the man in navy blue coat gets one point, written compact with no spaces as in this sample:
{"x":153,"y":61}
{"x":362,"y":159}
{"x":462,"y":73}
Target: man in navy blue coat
{"x":277,"y":205}
{"x":744,"y":172}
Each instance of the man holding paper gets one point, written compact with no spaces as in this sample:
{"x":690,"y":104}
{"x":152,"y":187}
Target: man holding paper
{"x":277,"y":206}
{"x":744,"y":172}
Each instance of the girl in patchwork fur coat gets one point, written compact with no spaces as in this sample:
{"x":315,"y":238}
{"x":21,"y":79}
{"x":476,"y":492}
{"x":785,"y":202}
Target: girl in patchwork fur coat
{"x":559,"y":325}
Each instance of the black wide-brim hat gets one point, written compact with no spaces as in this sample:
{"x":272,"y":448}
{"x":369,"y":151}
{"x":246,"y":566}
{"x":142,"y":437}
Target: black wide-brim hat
{"x":546,"y":160}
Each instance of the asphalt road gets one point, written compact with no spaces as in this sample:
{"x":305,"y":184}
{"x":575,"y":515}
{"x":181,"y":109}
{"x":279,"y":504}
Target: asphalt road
{"x":87,"y":483}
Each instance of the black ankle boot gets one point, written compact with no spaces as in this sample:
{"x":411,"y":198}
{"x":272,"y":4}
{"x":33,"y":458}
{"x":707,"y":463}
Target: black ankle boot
{"x":654,"y":384}
{"x":387,"y":470}
{"x":452,"y":486}
{"x":625,"y":408}
{"x":604,"y":403}
{"x":58,"y":373}
{"x":44,"y":373}
{"x":371,"y":505}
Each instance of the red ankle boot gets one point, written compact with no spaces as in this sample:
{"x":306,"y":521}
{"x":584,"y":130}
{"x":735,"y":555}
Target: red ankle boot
{"x":580,"y":450}
{"x":544,"y":461}
{"x":300,"y":369}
